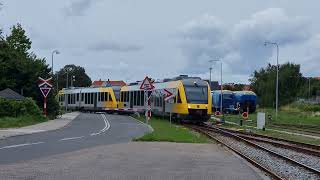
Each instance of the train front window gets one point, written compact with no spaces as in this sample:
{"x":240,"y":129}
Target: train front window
{"x":197,"y":94}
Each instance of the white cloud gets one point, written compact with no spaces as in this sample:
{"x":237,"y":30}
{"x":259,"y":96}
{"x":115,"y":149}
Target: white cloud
{"x":240,"y":46}
{"x":112,"y":46}
{"x":78,"y":7}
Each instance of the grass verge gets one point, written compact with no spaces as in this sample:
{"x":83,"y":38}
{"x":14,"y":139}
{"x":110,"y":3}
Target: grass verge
{"x":12,"y":122}
{"x":275,"y":134}
{"x":164,"y":131}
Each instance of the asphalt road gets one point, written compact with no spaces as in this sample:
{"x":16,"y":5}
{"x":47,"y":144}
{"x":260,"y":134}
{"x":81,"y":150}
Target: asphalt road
{"x":87,"y":130}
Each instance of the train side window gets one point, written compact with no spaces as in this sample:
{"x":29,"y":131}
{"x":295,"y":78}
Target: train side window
{"x":128,"y":96}
{"x":110,"y":98}
{"x":131,"y":97}
{"x":92,"y":97}
{"x":138,"y":98}
{"x":82,"y":97}
{"x":178,"y":97}
{"x":98,"y":96}
{"x":77,"y":96}
{"x":135,"y":97}
{"x":121,"y":96}
{"x":142,"y":98}
{"x":87,"y":98}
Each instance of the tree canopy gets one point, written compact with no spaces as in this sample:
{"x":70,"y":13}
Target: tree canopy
{"x":81,"y":79}
{"x":291,"y":82}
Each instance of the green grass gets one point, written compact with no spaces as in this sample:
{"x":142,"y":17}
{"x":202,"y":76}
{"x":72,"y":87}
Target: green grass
{"x":11,"y":122}
{"x":164,"y":131}
{"x":286,"y":116}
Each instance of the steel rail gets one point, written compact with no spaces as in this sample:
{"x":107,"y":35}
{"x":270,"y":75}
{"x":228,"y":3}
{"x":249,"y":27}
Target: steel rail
{"x":269,"y":151}
{"x":306,"y":145}
{"x":273,"y":141}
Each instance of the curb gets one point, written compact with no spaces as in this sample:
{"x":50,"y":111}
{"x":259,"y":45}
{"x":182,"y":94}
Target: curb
{"x":150,"y":127}
{"x":16,"y":135}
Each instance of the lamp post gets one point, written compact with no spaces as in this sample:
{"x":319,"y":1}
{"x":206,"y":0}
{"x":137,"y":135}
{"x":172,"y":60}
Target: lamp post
{"x":277,"y":81}
{"x":54,"y":52}
{"x":221,"y":87}
{"x":210,"y":69}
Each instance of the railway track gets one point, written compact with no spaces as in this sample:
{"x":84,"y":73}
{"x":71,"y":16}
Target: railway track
{"x":280,"y":160}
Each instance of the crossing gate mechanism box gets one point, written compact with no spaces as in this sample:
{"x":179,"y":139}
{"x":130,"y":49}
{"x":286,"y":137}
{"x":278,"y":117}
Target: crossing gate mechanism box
{"x":261,"y":120}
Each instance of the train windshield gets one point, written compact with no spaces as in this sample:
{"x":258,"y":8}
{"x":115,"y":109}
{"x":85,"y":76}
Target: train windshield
{"x":197,"y":94}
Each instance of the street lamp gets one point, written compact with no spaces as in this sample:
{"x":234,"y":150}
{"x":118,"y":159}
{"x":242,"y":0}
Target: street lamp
{"x":73,"y":78}
{"x":277,"y":81}
{"x":54,"y":52}
{"x":221,"y":87}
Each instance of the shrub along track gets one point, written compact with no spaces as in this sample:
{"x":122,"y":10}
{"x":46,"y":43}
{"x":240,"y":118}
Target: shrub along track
{"x":280,"y":160}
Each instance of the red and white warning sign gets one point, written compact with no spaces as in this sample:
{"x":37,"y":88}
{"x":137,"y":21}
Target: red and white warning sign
{"x":168,"y":94}
{"x":146,"y":84}
{"x":45,"y":91}
{"x":245,"y":115}
{"x":45,"y":82}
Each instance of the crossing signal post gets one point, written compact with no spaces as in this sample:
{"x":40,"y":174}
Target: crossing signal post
{"x":45,"y":87}
{"x":147,"y":87}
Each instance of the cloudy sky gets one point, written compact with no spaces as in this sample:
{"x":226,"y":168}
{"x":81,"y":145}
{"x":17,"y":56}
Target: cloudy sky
{"x":128,"y":39}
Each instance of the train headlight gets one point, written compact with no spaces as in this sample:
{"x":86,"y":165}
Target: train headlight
{"x":189,"y":106}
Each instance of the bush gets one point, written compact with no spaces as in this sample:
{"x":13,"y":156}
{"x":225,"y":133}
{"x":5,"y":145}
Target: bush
{"x":12,"y":108}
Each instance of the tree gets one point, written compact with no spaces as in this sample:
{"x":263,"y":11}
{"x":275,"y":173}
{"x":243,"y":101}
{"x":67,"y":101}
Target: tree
{"x":20,"y":69}
{"x":81,"y":78}
{"x":290,"y":82}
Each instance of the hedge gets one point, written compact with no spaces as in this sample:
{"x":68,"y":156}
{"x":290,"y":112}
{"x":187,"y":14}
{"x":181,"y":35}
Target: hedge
{"x":13,"y":108}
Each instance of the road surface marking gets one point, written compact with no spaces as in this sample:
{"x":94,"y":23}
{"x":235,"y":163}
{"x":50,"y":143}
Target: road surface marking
{"x":106,"y":126}
{"x":65,"y":139}
{"x":20,"y":145}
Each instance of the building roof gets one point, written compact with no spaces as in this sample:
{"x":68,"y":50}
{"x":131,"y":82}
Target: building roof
{"x":97,"y":83}
{"x":116,"y":83}
{"x":10,"y":94}
{"x":108,"y":83}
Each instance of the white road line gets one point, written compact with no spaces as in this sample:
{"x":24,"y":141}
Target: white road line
{"x":65,"y":139}
{"x":105,"y":128}
{"x":20,"y":145}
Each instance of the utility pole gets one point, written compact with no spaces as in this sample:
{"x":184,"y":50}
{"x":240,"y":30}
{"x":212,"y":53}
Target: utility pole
{"x":277,"y":81}
{"x":221,"y":86}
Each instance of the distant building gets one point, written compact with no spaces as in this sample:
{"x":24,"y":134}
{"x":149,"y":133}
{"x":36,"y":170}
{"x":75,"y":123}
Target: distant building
{"x":11,"y":95}
{"x":107,"y":83}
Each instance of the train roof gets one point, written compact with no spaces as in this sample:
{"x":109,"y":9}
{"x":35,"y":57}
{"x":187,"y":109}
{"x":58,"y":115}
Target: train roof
{"x":244,"y":93}
{"x":223,"y":92}
{"x":168,"y":84}
{"x":81,"y":89}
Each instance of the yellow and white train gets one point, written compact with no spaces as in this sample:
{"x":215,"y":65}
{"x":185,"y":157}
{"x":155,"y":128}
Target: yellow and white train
{"x":88,"y":99}
{"x":192,"y":99}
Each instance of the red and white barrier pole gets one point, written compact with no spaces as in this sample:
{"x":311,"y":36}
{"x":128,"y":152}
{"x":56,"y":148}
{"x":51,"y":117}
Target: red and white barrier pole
{"x":45,"y":106}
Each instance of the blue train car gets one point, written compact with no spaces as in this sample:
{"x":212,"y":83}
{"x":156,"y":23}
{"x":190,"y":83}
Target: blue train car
{"x":228,"y":100}
{"x":247,"y":100}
